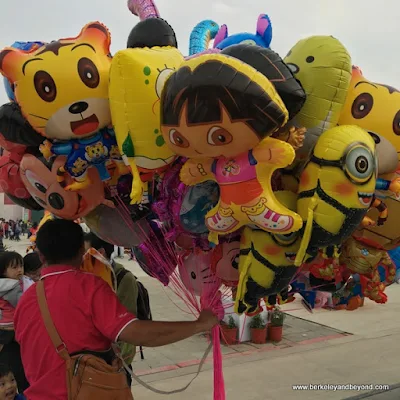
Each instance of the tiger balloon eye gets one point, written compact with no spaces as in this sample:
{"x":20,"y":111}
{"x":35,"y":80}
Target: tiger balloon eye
{"x":362,"y":105}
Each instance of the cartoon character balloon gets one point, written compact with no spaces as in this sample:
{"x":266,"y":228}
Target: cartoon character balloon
{"x":271,"y":65}
{"x":336,"y":188}
{"x":225,"y":261}
{"x":114,"y":225}
{"x":25,"y":46}
{"x":262,"y":37}
{"x":201,"y":36}
{"x":218,"y":111}
{"x":266,"y":262}
{"x":195,"y":271}
{"x":183,"y":208}
{"x":16,"y":129}
{"x":136,"y":81}
{"x":42,"y":183}
{"x":374,"y":107}
{"x":323,"y":66}
{"x":10,"y":180}
{"x":62,"y":88}
{"x":143,"y":9}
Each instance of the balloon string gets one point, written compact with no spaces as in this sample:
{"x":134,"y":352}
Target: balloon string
{"x":169,"y":261}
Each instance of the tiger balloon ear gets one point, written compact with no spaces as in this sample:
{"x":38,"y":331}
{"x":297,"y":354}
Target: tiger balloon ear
{"x":95,"y":34}
{"x":356,"y":72}
{"x":12,"y":62}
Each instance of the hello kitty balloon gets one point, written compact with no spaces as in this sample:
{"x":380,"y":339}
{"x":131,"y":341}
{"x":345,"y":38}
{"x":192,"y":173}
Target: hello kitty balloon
{"x":195,"y":271}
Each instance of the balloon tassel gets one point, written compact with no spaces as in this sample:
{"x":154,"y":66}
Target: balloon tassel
{"x":219,"y":384}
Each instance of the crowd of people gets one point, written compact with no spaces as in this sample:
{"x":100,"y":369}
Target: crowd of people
{"x":13,"y":230}
{"x":88,"y":317}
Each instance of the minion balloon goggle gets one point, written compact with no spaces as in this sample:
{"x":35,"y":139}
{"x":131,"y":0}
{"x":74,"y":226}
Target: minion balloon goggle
{"x":358,"y":163}
{"x":285,"y":240}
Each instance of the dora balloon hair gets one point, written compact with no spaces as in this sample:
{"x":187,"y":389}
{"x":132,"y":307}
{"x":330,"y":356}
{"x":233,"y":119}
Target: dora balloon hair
{"x":243,"y":99}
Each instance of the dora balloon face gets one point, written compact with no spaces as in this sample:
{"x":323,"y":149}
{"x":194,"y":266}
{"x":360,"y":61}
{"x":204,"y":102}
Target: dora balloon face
{"x":218,"y":106}
{"x":225,"y":262}
{"x":213,"y":140}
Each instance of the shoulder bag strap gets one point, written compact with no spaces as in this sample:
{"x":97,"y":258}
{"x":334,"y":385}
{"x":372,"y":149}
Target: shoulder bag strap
{"x":59,"y":345}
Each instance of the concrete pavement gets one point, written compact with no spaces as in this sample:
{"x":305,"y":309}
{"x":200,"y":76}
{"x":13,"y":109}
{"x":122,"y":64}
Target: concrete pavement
{"x":271,"y":376}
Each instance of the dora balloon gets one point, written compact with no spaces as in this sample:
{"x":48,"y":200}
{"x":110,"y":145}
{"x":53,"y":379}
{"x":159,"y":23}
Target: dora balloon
{"x":219,"y":112}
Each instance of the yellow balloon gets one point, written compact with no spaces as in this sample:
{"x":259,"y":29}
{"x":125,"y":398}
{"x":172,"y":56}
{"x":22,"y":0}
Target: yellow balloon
{"x":374,"y":107}
{"x":62,"y":87}
{"x":266,"y":262}
{"x":218,"y":112}
{"x":323,"y":66}
{"x":137,"y":79}
{"x":336,"y":187}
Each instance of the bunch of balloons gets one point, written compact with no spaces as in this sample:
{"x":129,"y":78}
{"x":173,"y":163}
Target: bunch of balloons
{"x":272,"y":170}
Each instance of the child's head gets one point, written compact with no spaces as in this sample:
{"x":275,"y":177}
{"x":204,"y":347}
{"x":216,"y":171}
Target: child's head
{"x":218,"y":108}
{"x":32,"y":266}
{"x":8,"y":384}
{"x":11,"y":265}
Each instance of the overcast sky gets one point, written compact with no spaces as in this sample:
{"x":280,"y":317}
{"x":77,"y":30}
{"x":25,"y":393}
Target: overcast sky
{"x":369,"y":29}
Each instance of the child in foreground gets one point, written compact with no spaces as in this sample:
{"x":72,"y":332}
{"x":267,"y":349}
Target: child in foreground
{"x":11,"y":289}
{"x":32,"y":267}
{"x":8,"y":385}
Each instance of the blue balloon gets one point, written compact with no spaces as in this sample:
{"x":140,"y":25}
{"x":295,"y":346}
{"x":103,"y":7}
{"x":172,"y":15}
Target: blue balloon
{"x":24,"y":46}
{"x":201,"y":36}
{"x":262,"y":37}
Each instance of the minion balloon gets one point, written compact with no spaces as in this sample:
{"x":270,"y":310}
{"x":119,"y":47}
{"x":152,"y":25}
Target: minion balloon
{"x":336,"y":188}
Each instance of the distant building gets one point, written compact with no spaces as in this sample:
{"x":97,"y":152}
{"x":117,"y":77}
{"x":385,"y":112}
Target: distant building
{"x":9,"y":210}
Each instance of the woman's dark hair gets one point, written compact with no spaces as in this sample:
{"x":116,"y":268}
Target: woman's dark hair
{"x":212,"y":85}
{"x":9,"y":259}
{"x":34,"y":225}
{"x":32,"y":263}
